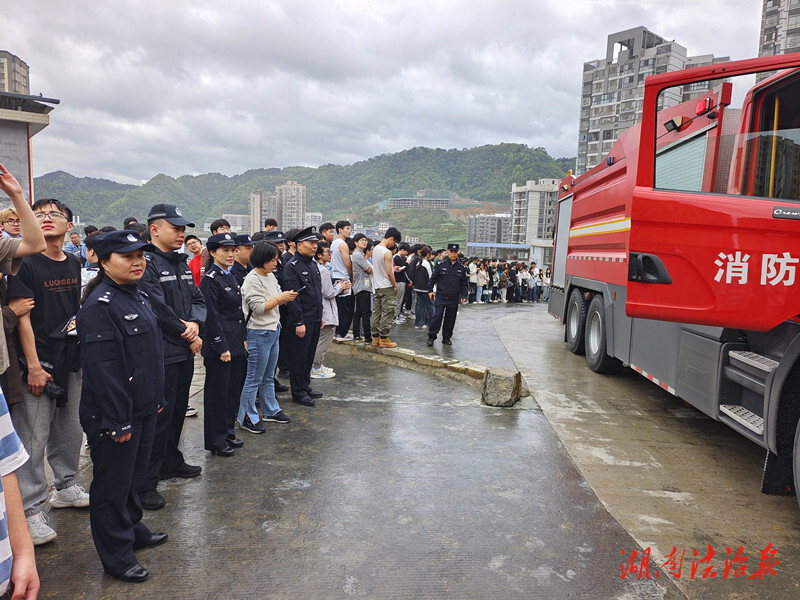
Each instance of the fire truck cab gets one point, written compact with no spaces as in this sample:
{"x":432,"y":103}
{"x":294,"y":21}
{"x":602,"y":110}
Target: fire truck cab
{"x":678,"y":255}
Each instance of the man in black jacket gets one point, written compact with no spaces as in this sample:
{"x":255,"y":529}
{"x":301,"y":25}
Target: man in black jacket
{"x":181,"y":312}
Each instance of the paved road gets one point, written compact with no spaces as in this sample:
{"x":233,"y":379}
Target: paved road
{"x":402,"y":485}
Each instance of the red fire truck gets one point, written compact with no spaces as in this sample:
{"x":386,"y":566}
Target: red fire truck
{"x":678,"y":255}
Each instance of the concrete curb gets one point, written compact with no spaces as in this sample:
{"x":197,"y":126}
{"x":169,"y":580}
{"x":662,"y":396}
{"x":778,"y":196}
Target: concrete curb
{"x":464,"y":371}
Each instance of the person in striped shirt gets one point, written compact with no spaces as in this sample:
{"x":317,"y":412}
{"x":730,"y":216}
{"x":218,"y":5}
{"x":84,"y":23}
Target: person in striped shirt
{"x":17,"y":559}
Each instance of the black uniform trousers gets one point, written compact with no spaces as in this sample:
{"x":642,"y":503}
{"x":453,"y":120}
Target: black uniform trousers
{"x":223,"y":386}
{"x":345,"y":305}
{"x":301,"y":358}
{"x":283,"y":340}
{"x":115,"y":513}
{"x":361,"y":316}
{"x":169,"y":425}
{"x":444,"y":318}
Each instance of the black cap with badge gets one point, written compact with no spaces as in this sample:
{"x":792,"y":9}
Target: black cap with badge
{"x":274,"y":236}
{"x":452,"y":246}
{"x":220,"y":239}
{"x":306,"y":235}
{"x":118,"y":241}
{"x":244,"y":239}
{"x":170,"y":213}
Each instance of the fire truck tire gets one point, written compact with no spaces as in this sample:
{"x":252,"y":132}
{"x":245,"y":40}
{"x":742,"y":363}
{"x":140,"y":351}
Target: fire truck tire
{"x":796,"y":462}
{"x":576,"y":322}
{"x":596,"y":338}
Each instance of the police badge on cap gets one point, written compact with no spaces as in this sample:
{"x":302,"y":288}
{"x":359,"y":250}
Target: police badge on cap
{"x":452,"y":246}
{"x":118,"y":241}
{"x":306,"y":235}
{"x":220,"y":239}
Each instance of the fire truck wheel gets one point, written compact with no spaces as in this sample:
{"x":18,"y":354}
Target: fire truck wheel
{"x":796,"y":462}
{"x":595,"y":340}
{"x":576,"y":321}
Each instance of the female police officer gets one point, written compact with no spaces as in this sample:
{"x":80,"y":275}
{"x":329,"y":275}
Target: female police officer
{"x":123,"y":387}
{"x":223,"y":347}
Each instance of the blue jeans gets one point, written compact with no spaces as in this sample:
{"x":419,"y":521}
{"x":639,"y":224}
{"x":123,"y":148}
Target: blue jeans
{"x":424,"y":307}
{"x":262,"y":347}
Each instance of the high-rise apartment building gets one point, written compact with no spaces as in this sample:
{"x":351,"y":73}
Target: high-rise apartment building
{"x":533,"y":217}
{"x":14,"y":74}
{"x":780,"y":27}
{"x":613,"y":88}
{"x":489,"y":229}
{"x":291,"y":198}
{"x":263,"y":205}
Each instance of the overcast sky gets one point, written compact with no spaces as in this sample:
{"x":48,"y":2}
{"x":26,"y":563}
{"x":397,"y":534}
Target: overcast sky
{"x":188,"y":87}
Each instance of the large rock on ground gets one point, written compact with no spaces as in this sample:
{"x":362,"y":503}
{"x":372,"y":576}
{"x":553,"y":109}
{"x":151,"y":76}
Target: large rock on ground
{"x":501,"y":387}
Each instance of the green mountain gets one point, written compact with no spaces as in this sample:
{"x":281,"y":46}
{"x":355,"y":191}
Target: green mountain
{"x":484,"y":175}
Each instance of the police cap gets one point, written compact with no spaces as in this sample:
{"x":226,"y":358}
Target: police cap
{"x":170,"y":213}
{"x":220,"y":239}
{"x":306,"y":235}
{"x":244,"y":239}
{"x":118,"y":241}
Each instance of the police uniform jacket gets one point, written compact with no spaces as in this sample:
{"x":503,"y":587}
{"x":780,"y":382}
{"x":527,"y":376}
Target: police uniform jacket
{"x":239,"y":272}
{"x":169,"y":284}
{"x":224,"y":330}
{"x":451,"y":281}
{"x":122,"y":350}
{"x":307,"y":307}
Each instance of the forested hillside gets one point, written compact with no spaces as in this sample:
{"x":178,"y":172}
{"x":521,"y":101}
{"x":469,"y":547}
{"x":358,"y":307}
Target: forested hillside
{"x":483,"y":174}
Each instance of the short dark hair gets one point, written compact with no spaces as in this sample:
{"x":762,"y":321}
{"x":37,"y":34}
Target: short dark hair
{"x":139,"y":228}
{"x":89,"y":241}
{"x":128,"y":221}
{"x":321,"y":247}
{"x":89,"y":229}
{"x":404,"y":246}
{"x":270,"y":221}
{"x":393,"y":232}
{"x":263,"y":252}
{"x":216,"y":224}
{"x":107,"y":228}
{"x":57,"y":203}
{"x":290,"y":234}
{"x":341,"y":225}
{"x":258,"y":235}
{"x":325,"y":226}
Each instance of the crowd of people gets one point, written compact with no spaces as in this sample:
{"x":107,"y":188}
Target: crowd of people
{"x":100,"y":337}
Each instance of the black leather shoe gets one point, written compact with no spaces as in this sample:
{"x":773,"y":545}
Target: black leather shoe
{"x":136,"y":574}
{"x":314,"y":394}
{"x":430,"y":343}
{"x":305,"y":401}
{"x":235,"y":442}
{"x":279,"y":387}
{"x":226,"y":452}
{"x":151,"y":500}
{"x":156,"y":539}
{"x":184,"y":471}
{"x":447,"y":342}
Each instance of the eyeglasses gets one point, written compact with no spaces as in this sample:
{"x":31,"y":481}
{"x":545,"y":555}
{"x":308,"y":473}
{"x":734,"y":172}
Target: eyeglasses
{"x":12,"y":222}
{"x":53,"y":216}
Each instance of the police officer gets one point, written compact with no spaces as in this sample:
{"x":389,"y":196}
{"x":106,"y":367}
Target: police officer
{"x":304,"y":315}
{"x":181,"y":310}
{"x":241,"y":264}
{"x":451,"y":281}
{"x":223,"y":347}
{"x":123,"y":388}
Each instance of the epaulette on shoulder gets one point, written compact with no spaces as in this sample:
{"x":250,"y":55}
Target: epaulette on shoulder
{"x":211,"y":274}
{"x":148,"y":256}
{"x":106,"y":297}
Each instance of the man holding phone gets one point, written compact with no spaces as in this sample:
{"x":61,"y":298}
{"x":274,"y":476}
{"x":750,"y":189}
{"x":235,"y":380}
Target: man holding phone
{"x":304,"y":319}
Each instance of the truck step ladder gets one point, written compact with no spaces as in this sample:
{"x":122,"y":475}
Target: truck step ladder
{"x":745,"y":417}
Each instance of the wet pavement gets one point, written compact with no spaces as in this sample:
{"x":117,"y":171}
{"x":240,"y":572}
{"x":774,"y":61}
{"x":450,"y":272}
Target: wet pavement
{"x":400,"y":484}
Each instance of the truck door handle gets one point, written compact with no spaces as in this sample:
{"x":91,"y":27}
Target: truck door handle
{"x":647,"y":268}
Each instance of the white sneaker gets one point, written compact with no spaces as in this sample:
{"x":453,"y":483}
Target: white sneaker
{"x":348,"y":337}
{"x":41,"y":532}
{"x":320,"y":374}
{"x":73,"y":495}
{"x":326,"y":369}
{"x":191,"y":411}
